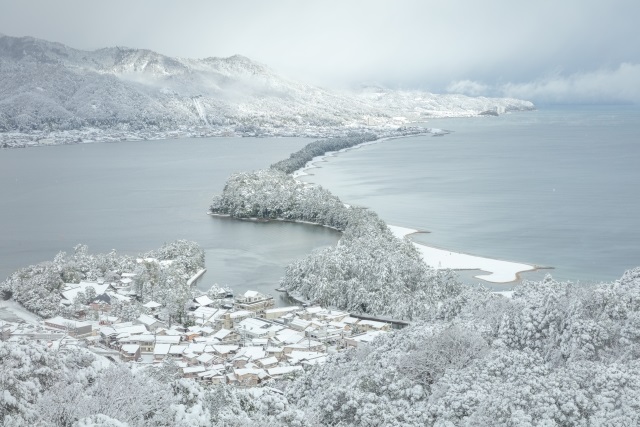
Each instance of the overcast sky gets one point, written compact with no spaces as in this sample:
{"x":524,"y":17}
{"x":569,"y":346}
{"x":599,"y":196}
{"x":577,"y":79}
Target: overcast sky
{"x":545,"y":50}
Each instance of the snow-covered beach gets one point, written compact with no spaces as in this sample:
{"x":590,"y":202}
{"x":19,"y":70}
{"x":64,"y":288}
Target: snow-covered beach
{"x":498,"y":271}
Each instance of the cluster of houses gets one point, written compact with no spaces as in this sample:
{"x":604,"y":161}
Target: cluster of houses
{"x":243,"y":341}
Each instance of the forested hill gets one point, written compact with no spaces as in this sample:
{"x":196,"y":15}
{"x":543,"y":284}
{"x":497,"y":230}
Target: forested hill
{"x":49,"y":88}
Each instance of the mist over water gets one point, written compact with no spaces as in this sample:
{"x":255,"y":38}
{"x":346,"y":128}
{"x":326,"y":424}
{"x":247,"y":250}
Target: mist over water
{"x":555,"y":187}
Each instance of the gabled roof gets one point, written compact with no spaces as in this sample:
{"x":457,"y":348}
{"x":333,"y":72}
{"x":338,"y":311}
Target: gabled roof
{"x":130,"y":348}
{"x":204,"y":300}
{"x":147,"y":320}
{"x":161,"y":349}
{"x":71,"y":290}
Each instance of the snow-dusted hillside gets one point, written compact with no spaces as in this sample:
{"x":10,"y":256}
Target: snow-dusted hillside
{"x":50,"y":92}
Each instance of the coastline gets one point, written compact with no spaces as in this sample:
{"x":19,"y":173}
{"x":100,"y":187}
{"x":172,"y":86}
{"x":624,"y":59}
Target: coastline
{"x":498,"y":271}
{"x":254,"y":219}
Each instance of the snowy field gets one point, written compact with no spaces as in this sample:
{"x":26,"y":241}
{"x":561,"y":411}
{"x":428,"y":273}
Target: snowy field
{"x":498,"y":271}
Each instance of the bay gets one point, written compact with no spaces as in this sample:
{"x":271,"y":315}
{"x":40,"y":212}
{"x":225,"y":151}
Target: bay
{"x":134,"y":196}
{"x":555,"y":187}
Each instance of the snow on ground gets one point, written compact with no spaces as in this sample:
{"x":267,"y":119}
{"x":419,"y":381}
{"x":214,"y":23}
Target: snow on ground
{"x":499,"y":271}
{"x":19,"y":311}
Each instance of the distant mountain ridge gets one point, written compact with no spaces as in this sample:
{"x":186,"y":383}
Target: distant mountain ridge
{"x":50,"y":88}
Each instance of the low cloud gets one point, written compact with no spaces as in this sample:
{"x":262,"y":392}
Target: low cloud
{"x":607,"y":85}
{"x":468,"y":87}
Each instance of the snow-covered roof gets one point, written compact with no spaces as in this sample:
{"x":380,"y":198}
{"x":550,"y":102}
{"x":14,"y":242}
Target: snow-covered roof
{"x":372,"y":323}
{"x":299,"y":324}
{"x":298,"y":356}
{"x":167,"y":339}
{"x":267,"y":361}
{"x":119,"y":297}
{"x":314,"y":310}
{"x":147,"y":320}
{"x":130,"y":348}
{"x":152,"y":304}
{"x":66,"y":323}
{"x":252,"y":353}
{"x":72,"y":290}
{"x":204,"y":300}
{"x":248,"y":371}
{"x":177,"y":349}
{"x":197,"y":348}
{"x":289,"y":336}
{"x":241,"y":313}
{"x":350,"y":320}
{"x":282,"y":309}
{"x":283,"y":370}
{"x":205,"y":358}
{"x":161,"y":349}
{"x":210,"y":373}
{"x":222,"y":334}
{"x":132,"y":330}
{"x":193,"y":369}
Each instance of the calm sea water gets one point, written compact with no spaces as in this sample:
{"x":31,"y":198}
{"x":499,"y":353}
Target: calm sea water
{"x":134,"y":196}
{"x":556,"y":187}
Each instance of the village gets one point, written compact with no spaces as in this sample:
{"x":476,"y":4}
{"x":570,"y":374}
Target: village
{"x":239,"y":340}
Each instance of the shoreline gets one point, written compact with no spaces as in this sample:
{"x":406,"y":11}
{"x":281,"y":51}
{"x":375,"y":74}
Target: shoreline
{"x":495,"y":270}
{"x":255,"y":219}
{"x":311,"y":164}
{"x":500,"y":271}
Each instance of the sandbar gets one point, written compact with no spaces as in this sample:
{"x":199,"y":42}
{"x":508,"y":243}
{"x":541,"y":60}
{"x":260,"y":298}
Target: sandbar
{"x":499,"y":271}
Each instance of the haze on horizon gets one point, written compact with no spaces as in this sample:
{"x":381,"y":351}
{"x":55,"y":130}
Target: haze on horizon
{"x":575,"y":51}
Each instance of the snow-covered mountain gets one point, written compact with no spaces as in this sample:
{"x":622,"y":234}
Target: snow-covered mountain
{"x":48,"y":88}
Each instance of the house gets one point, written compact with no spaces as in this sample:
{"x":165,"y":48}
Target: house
{"x":208,"y":316}
{"x":150,"y":322}
{"x":130,"y":352}
{"x":250,"y":376}
{"x":146,"y":341}
{"x":152,"y":306}
{"x":192,"y":371}
{"x":305,"y":345}
{"x":160,"y":351}
{"x":257,"y":328}
{"x":204,"y":301}
{"x":296,"y":357}
{"x":225,"y":350}
{"x":267,"y":362}
{"x":254,"y":301}
{"x":71,"y":290}
{"x":282,"y":371}
{"x":72,"y":327}
{"x":299,"y":324}
{"x":364,"y":338}
{"x":176,"y":351}
{"x":230,"y":319}
{"x":101,"y":303}
{"x":373,"y":325}
{"x":275,"y":313}
{"x":212,"y":376}
{"x":226,"y":336}
{"x":206,"y":359}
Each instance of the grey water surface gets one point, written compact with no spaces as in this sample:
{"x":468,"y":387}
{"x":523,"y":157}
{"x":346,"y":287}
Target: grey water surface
{"x":133,"y":196}
{"x":555,"y":187}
